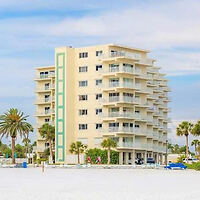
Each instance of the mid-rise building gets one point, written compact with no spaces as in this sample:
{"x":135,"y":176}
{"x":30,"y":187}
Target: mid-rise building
{"x":104,"y":91}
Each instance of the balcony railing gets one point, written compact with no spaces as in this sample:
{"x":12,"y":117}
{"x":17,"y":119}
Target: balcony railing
{"x":45,"y":76}
{"x":46,"y":112}
{"x":120,"y":54}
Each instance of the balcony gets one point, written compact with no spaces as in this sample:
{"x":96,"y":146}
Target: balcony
{"x":45,"y":89}
{"x":45,"y":113}
{"x":117,"y":116}
{"x":45,"y":101}
{"x":149,"y":147}
{"x":122,"y":70}
{"x":38,"y":125}
{"x":112,"y":56}
{"x":140,"y":146}
{"x":45,"y":76}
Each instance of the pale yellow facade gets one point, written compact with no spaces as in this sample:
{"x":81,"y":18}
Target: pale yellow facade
{"x":104,"y":91}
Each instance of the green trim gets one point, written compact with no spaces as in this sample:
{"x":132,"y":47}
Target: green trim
{"x":60,"y":107}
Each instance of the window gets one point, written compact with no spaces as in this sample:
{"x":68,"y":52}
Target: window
{"x":44,"y":74}
{"x":99,"y":82}
{"x":98,"y":67}
{"x":98,"y":126}
{"x":83,"y":83}
{"x":83,"y":112}
{"x":47,"y":110}
{"x":47,"y":120}
{"x":99,"y":53}
{"x":114,"y":67}
{"x":46,"y":98}
{"x":137,"y":126}
{"x":46,"y":86}
{"x":137,"y":112}
{"x":98,"y":96}
{"x":82,"y":126}
{"x":46,"y":145}
{"x":83,"y":55}
{"x":83,"y":97}
{"x":98,"y":111}
{"x":83,"y":69}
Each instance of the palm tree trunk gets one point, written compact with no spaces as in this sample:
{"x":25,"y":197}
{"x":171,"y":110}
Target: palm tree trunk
{"x":78,"y":158}
{"x":51,"y":150}
{"x":13,"y":150}
{"x":108,"y":156}
{"x":187,"y":151}
{"x":195,"y":147}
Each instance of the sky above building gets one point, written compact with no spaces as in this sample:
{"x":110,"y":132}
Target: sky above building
{"x":30,"y":30}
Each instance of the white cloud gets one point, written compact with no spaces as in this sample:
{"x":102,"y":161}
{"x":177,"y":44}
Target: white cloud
{"x":161,"y":27}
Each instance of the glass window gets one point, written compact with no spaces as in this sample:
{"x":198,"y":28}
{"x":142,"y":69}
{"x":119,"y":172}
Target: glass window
{"x":83,"y":83}
{"x":98,"y":96}
{"x":82,"y":126}
{"x":83,"y":55}
{"x":83,"y":112}
{"x":99,"y":82}
{"x":98,"y":111}
{"x":98,"y":126}
{"x":83,"y":69}
{"x":99,"y":53}
{"x":83,"y":97}
{"x":98,"y":67}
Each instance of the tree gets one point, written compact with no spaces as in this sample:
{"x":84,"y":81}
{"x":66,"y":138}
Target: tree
{"x":108,"y":144}
{"x":196,"y":129}
{"x":77,"y":148}
{"x":13,"y":123}
{"x":195,"y":143}
{"x":26,"y":142}
{"x":184,"y":129}
{"x":47,"y":132}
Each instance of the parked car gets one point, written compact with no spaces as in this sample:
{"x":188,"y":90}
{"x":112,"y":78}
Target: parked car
{"x":190,"y":160}
{"x":139,"y":161}
{"x":150,"y":160}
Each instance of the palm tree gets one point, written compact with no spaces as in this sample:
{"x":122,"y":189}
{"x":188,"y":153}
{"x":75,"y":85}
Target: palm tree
{"x":26,"y":142}
{"x":185,"y":129}
{"x":195,"y":143}
{"x":196,"y":129}
{"x":108,"y":144}
{"x":77,"y":148}
{"x":13,"y":123}
{"x":47,"y":132}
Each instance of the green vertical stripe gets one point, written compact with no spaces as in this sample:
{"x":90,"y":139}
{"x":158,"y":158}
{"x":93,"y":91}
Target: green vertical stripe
{"x":62,"y":93}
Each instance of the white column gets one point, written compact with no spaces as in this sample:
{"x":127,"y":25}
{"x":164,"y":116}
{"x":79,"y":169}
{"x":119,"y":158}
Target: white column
{"x":133,"y":157}
{"x":120,"y":158}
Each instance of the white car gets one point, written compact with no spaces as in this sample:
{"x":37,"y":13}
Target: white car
{"x":190,"y":160}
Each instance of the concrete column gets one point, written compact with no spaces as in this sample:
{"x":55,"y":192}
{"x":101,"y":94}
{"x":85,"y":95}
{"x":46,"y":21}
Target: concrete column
{"x":121,"y":158}
{"x":161,"y":159}
{"x":126,"y":158}
{"x":157,"y":155}
{"x":133,"y":157}
{"x":145,"y":157}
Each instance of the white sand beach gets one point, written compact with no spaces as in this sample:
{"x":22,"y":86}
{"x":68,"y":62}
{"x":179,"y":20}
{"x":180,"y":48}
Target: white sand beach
{"x":98,"y":184}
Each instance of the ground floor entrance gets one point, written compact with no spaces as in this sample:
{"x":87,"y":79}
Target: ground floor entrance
{"x":129,"y":157}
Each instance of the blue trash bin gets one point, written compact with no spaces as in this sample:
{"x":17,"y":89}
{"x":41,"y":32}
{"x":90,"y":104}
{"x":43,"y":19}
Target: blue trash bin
{"x":24,"y":164}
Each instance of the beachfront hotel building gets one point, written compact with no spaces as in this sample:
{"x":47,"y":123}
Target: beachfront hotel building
{"x":103,"y":91}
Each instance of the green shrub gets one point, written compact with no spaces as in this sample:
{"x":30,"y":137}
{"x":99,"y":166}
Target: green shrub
{"x":94,"y":153}
{"x":180,"y":159}
{"x":195,"y":166}
{"x":42,"y":160}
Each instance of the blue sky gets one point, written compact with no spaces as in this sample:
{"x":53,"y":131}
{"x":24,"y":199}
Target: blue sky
{"x":30,"y":30}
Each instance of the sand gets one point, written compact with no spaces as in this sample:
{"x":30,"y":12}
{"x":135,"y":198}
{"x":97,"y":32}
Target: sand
{"x":98,"y":184}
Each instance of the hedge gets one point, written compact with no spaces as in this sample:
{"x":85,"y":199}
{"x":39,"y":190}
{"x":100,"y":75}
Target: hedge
{"x":94,"y":153}
{"x":195,"y":166}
